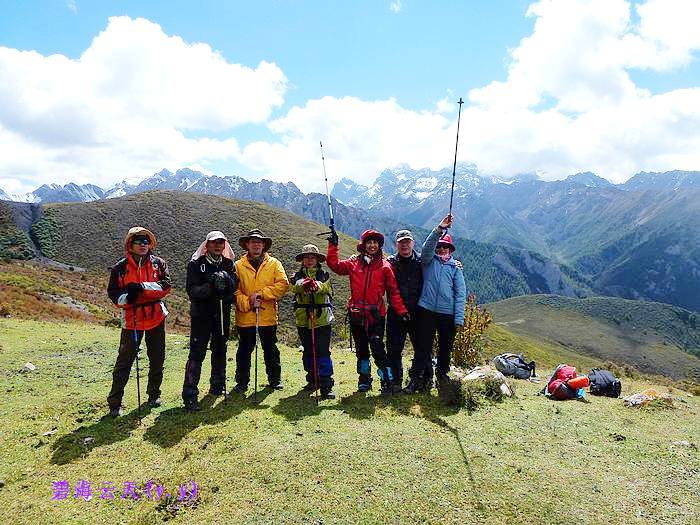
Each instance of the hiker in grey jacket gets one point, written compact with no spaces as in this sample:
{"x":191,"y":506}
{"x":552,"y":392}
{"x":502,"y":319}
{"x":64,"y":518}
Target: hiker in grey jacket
{"x":440,"y":307}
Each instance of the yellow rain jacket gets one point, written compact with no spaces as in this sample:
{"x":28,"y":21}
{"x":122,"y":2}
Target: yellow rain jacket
{"x":270,"y":281}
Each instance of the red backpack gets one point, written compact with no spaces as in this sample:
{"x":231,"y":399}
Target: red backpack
{"x":557,"y":387}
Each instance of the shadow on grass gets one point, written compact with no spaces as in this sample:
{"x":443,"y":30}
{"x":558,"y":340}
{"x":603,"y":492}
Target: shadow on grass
{"x":361,"y":405}
{"x":108,"y":430}
{"x":303,"y":404}
{"x":172,"y":425}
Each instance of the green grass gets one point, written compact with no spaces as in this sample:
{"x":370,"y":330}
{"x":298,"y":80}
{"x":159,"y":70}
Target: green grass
{"x":353,"y":460}
{"x":652,"y":337}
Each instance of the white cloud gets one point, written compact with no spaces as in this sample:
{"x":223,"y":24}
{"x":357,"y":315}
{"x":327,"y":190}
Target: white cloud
{"x":568,"y":104}
{"x":360,"y":138}
{"x":70,"y":4}
{"x":125,"y":106}
{"x":395,"y":6}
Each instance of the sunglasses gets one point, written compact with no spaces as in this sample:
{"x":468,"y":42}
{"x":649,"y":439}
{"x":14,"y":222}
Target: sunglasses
{"x":218,"y":241}
{"x":142,"y":242}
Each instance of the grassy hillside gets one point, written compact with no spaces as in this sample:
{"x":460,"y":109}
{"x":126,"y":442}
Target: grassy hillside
{"x":92,"y":234}
{"x":653,"y":337}
{"x":353,"y":460}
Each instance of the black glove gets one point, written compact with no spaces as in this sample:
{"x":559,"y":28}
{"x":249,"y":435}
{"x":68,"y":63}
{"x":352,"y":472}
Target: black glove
{"x":406,"y":318}
{"x":333,"y":238}
{"x":133,"y":290}
{"x":221,"y":282}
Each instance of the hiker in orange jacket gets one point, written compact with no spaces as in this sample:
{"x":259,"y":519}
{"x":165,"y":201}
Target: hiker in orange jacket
{"x":371,"y":276}
{"x":262,"y":282}
{"x":137,"y":285}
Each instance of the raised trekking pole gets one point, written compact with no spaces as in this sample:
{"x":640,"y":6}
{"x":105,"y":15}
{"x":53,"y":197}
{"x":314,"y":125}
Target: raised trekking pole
{"x":257,"y":336}
{"x":328,"y":196}
{"x":138,"y":372}
{"x":454,"y":165}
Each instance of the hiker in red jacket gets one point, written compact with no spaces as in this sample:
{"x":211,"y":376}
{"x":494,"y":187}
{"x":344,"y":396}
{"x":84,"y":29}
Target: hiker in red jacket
{"x":371,"y":276}
{"x":137,"y":285}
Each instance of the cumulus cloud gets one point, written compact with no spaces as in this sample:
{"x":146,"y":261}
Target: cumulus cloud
{"x":395,"y":6}
{"x":568,"y":104}
{"x":360,"y":138}
{"x":129,"y":104}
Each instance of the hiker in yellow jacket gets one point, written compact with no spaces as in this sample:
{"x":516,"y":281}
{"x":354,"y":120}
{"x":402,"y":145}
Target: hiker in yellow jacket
{"x":261,"y":283}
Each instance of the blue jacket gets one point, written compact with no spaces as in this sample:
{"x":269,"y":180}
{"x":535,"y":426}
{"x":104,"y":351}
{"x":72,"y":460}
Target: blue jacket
{"x":444,"y":290}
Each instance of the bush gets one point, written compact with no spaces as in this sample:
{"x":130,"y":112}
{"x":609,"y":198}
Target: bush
{"x":46,"y":234}
{"x":469,"y":344}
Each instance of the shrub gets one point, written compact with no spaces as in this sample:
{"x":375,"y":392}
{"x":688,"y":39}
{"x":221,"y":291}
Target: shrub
{"x":469,"y":344}
{"x":46,"y":234}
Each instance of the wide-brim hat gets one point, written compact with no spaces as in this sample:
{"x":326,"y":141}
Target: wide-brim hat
{"x":255,"y":234}
{"x":310,"y":249}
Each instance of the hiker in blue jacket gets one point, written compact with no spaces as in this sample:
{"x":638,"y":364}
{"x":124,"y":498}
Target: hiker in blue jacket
{"x":440,"y":308}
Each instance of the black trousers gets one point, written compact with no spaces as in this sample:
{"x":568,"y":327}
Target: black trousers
{"x":324,"y":364}
{"x":396,"y":332}
{"x":271,"y":354}
{"x":203,"y":330}
{"x":155,"y":349}
{"x":366,"y":339}
{"x":427,"y":323}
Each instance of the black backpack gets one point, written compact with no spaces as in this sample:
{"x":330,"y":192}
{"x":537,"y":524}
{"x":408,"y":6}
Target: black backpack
{"x":514,"y":365}
{"x":604,"y":383}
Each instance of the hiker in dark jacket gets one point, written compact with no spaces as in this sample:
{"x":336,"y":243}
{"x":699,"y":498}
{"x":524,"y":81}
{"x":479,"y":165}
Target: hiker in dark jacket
{"x":137,"y":285}
{"x":371,"y":277}
{"x":440,"y":308}
{"x":409,"y":277}
{"x":211,"y":283}
{"x":313,"y":312}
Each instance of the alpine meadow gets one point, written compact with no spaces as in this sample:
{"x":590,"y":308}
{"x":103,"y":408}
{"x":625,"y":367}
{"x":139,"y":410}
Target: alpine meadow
{"x":375,"y":262}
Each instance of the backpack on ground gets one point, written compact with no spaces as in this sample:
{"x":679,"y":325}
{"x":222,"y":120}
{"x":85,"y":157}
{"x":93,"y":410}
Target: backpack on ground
{"x":556,"y":386}
{"x":514,"y":365}
{"x":604,"y":383}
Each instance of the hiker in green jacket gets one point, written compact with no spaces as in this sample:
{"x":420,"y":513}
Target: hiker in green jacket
{"x":312,"y":291}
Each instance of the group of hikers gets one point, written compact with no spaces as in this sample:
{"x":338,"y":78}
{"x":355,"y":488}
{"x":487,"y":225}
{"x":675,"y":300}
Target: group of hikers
{"x":425,"y":293}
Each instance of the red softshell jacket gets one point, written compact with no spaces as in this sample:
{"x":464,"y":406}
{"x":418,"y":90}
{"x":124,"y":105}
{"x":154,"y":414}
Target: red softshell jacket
{"x":368,"y":282}
{"x":153,"y":275}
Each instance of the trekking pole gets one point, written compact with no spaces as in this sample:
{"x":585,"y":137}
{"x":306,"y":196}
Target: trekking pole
{"x":223,"y":342}
{"x":138,"y":372}
{"x":328,"y":196}
{"x":313,"y":351}
{"x":257,"y":336}
{"x":454,"y":165}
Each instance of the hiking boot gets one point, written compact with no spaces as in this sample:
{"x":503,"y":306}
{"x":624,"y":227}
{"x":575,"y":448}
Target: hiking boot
{"x":277,"y":385}
{"x":327,"y":393}
{"x":154,"y":402}
{"x":116,"y":412}
{"x":192,"y":405}
{"x":363,"y":386}
{"x":418,"y":383}
{"x":240,"y":389}
{"x":386,"y":380}
{"x":218,"y":391}
{"x":309,"y":387}
{"x":414,"y":385}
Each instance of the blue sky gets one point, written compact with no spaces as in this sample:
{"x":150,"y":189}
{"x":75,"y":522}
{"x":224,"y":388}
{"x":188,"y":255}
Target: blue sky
{"x":377,"y":80}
